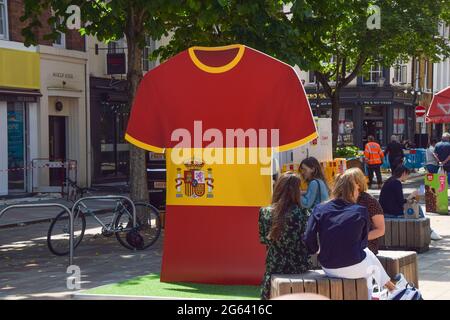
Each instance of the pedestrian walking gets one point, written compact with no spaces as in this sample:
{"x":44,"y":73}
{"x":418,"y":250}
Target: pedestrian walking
{"x":374,"y":158}
{"x":394,"y":153}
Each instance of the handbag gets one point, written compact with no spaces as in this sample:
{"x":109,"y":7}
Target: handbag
{"x":411,"y":209}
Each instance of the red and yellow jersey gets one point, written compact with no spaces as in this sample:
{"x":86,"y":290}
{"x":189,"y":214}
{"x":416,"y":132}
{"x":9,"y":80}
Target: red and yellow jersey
{"x":218,"y":113}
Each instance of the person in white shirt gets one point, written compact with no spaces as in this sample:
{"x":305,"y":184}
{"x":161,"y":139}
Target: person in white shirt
{"x":432,"y":164}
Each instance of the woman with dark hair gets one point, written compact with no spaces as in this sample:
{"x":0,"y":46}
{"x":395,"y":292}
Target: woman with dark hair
{"x":280,"y":228}
{"x":391,"y":195}
{"x":392,"y":199}
{"x":317,"y":191}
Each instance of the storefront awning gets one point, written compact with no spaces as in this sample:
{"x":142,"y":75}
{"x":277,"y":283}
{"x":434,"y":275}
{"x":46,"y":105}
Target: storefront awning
{"x":25,"y":95}
{"x":439,"y":111}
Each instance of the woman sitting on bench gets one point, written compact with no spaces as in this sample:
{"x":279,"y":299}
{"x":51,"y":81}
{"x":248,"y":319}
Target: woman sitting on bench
{"x":392,"y":199}
{"x":280,"y":228}
{"x":342,"y":229}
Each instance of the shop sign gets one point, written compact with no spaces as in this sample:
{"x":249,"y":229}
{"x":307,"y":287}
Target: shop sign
{"x":115,"y":63}
{"x":63,"y":75}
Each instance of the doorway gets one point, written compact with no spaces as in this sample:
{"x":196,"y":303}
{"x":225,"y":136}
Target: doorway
{"x":57,"y":148}
{"x":373,"y":128}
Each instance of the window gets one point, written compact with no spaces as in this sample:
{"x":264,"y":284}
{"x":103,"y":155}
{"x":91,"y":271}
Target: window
{"x":399,"y":122}
{"x":3,"y":20}
{"x":346,"y":127}
{"x":443,"y":29}
{"x":60,"y":41}
{"x":116,"y":46}
{"x":373,"y":75}
{"x":400,"y":72}
{"x":150,"y":45}
{"x":428,"y":76}
{"x":417,"y":74}
{"x":311,"y":77}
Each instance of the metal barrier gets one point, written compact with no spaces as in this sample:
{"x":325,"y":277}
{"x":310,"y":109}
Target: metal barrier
{"x":71,"y":213}
{"x":65,"y":208}
{"x":110,"y":197}
{"x":414,"y":159}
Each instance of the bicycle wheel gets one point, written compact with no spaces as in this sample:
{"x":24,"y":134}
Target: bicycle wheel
{"x":148,"y":224}
{"x":58,"y":233}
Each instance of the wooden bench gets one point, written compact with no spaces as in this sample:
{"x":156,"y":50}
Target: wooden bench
{"x":394,"y":262}
{"x":406,"y":234}
{"x":317,"y":282}
{"x":405,"y":262}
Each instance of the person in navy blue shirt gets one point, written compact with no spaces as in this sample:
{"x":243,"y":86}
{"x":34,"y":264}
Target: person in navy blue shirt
{"x":392,"y":199}
{"x":338,"y":230}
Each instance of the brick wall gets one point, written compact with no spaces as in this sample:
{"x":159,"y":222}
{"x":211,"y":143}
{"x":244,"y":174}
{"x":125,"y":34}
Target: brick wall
{"x":74,"y":41}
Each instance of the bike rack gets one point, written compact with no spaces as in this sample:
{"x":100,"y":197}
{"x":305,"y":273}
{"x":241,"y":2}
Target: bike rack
{"x":65,"y":208}
{"x":110,"y":197}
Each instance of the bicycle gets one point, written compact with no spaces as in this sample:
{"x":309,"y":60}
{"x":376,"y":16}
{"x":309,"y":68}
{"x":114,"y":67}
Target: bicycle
{"x":148,"y":224}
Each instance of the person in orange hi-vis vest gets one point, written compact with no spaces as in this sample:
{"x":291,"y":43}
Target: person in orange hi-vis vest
{"x":374,"y":159}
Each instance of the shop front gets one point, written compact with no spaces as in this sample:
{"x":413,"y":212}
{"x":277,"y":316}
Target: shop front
{"x":362,"y":114}
{"x":109,"y":118}
{"x":63,"y":115}
{"x":19,"y":93}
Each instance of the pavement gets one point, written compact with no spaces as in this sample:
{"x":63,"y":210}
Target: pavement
{"x":29,"y":271}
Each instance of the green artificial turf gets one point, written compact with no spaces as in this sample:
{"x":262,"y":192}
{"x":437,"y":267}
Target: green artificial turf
{"x":150,"y":285}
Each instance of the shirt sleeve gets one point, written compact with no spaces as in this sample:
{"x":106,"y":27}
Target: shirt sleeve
{"x":365,"y":229}
{"x":294,"y":117}
{"x":374,"y":207}
{"x":311,"y":194}
{"x":310,"y":236}
{"x":145,"y":125}
{"x":263,"y":227}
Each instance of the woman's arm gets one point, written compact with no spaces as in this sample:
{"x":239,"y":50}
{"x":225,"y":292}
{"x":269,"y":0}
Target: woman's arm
{"x":311,"y":194}
{"x":378,"y":227}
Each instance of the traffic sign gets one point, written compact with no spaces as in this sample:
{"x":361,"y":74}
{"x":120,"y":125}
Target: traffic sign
{"x":420,"y":111}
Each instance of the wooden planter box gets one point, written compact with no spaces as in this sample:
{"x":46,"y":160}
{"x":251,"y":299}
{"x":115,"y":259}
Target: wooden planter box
{"x":317,"y":282}
{"x":405,"y":262}
{"x":406,"y":234}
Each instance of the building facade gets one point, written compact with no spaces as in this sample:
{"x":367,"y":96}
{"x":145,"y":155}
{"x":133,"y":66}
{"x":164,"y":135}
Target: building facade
{"x":373,"y":104}
{"x":43,"y":107}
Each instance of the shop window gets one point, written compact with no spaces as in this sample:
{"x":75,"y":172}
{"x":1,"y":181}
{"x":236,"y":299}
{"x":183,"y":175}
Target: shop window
{"x":374,"y":74}
{"x":399,"y":120}
{"x":346,"y":127}
{"x":16,"y":146}
{"x":373,"y":111}
{"x":114,"y":151}
{"x":3,"y":20}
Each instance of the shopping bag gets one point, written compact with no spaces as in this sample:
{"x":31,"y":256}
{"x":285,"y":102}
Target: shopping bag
{"x":411,"y":209}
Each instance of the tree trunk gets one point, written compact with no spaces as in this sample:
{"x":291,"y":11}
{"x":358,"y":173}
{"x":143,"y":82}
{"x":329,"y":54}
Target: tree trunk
{"x":335,"y":107}
{"x":138,"y":167}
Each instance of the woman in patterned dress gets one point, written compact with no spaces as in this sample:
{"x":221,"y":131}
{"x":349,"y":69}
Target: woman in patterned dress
{"x":280,"y":228}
